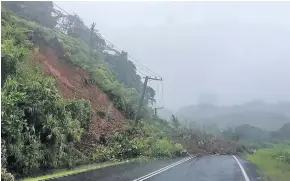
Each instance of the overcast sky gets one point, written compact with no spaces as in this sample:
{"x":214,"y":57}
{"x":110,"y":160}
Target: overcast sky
{"x":238,"y":51}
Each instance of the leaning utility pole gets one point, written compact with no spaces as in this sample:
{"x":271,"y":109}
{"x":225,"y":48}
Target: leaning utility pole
{"x":143,"y":94}
{"x":155,"y":110}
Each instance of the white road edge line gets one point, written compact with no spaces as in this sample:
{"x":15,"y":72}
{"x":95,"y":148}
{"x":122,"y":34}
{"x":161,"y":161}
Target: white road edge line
{"x":242,"y":168}
{"x":162,"y":169}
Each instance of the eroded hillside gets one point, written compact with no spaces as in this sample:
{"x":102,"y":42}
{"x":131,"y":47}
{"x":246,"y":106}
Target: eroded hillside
{"x":73,"y":82}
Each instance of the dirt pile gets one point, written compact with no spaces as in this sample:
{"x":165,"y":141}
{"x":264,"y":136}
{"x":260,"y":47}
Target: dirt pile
{"x":203,"y":144}
{"x":73,"y":82}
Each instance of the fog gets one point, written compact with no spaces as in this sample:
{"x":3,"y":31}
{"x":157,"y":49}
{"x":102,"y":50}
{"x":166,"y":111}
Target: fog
{"x":237,"y":51}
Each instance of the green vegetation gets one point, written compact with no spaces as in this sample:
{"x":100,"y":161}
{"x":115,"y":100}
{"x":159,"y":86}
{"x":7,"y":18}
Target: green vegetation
{"x":6,"y":176}
{"x":39,"y":126}
{"x":270,"y":150}
{"x":72,"y":171}
{"x":256,"y":138}
{"x":138,"y":140}
{"x":275,"y":162}
{"x":113,"y":73}
{"x":41,"y":129}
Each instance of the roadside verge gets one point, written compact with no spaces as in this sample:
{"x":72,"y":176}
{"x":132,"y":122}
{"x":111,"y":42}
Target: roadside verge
{"x":77,"y":170}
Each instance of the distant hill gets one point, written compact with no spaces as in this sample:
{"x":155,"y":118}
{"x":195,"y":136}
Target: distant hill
{"x":249,"y":132}
{"x":252,"y":134}
{"x":259,"y":114}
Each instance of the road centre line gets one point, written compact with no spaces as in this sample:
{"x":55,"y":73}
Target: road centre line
{"x":162,"y":169}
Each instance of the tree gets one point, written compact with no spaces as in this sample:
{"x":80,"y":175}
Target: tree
{"x":175,"y":122}
{"x":91,"y":40}
{"x":41,"y":12}
{"x":74,"y":26}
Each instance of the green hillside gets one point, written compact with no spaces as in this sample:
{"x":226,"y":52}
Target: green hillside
{"x":113,"y":73}
{"x":41,"y":130}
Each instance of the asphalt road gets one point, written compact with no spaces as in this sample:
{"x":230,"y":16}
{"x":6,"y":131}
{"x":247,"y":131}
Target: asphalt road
{"x":207,"y":168}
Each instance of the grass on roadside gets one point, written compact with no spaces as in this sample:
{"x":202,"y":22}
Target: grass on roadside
{"x":72,"y":171}
{"x":269,"y":160}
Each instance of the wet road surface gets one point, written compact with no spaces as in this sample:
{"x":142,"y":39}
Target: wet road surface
{"x":207,"y":168}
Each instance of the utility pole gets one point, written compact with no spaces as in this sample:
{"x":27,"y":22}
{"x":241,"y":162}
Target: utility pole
{"x":143,"y":94}
{"x":155,"y":110}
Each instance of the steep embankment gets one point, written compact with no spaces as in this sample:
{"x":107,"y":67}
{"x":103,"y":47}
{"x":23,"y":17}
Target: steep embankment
{"x":65,"y":120}
{"x":43,"y":126}
{"x":72,"y":82}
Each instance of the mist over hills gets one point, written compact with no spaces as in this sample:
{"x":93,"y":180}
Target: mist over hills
{"x":259,"y":114}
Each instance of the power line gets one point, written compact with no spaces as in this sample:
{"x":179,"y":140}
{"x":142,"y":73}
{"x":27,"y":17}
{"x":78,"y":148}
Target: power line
{"x":136,"y":61}
{"x":143,"y":94}
{"x":138,"y":64}
{"x":156,"y":75}
{"x":141,"y":73}
{"x":60,"y":8}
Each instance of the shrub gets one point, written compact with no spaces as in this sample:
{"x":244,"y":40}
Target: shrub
{"x":12,"y":51}
{"x":103,"y":154}
{"x":38,"y":126}
{"x":179,"y":150}
{"x":274,"y":162}
{"x":282,"y":155}
{"x":6,"y":176}
{"x":162,"y":148}
{"x":137,"y":140}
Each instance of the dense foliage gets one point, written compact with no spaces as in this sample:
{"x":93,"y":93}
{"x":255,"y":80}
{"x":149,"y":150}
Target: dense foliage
{"x":40,"y":129}
{"x":134,"y":140}
{"x":32,"y":11}
{"x":282,"y":155}
{"x":108,"y":68}
{"x":38,"y":126}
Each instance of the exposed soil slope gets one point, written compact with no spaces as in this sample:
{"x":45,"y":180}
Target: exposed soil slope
{"x":73,"y":82}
